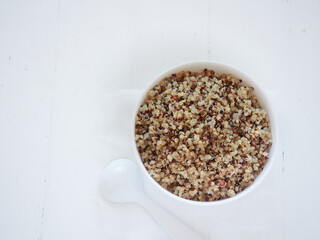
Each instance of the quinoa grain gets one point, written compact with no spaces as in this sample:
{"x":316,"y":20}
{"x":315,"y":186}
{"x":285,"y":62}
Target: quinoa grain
{"x":203,"y":137}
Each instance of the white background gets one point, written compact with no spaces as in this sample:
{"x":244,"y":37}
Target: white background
{"x":63,"y":62}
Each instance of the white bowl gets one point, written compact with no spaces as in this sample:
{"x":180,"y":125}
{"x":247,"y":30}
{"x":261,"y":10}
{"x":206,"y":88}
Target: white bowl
{"x":219,"y":68}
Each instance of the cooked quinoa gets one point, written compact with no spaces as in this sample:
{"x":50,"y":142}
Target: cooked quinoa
{"x":202,"y":136}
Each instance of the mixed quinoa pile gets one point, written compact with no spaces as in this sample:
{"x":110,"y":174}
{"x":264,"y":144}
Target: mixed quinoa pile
{"x":203,"y":136}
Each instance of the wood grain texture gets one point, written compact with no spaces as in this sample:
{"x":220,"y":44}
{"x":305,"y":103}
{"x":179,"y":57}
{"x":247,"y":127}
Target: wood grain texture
{"x":60,"y":58}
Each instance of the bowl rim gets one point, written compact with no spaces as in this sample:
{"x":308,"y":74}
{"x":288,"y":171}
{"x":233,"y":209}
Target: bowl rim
{"x":264,"y":101}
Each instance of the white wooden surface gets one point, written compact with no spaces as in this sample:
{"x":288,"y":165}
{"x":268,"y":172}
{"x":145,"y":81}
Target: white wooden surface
{"x":57,"y":58}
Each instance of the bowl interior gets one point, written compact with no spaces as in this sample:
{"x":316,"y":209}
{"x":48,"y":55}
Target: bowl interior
{"x":219,"y":68}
